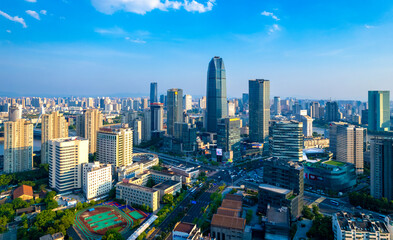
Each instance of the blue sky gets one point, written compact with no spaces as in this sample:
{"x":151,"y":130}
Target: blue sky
{"x":307,"y":49}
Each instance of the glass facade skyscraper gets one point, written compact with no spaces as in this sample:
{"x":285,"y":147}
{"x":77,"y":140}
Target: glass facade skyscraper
{"x":287,"y":140}
{"x":259,"y":106}
{"x":153,"y":92}
{"x":174,"y":109}
{"x":378,"y":111}
{"x":216,"y":106}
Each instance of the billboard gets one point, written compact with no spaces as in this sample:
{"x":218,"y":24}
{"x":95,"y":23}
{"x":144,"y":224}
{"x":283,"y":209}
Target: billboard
{"x":219,"y":152}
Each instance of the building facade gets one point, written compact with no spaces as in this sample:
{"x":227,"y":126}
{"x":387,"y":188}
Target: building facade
{"x":53,"y":126}
{"x":216,"y":94}
{"x":228,"y":138}
{"x":287,"y":140}
{"x":18,"y":146}
{"x":379,"y":110}
{"x":66,"y":156}
{"x":87,"y":126}
{"x":97,"y":179}
{"x":174,"y":109}
{"x":153,"y":92}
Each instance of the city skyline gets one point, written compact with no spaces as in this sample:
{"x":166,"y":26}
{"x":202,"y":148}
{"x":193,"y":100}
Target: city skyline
{"x":303,"y":49}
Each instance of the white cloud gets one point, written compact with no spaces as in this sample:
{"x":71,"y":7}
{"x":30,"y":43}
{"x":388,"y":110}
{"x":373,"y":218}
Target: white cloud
{"x":14,"y":19}
{"x":32,"y":1}
{"x":9,"y":31}
{"x":270,"y":14}
{"x":368,"y":26}
{"x":34,"y":14}
{"x":111,"y":31}
{"x":135,"y":40}
{"x":144,"y":6}
{"x":43,"y":12}
{"x":274,"y":28}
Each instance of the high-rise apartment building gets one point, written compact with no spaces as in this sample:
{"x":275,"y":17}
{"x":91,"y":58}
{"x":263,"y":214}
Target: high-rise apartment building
{"x":15,"y":112}
{"x":53,"y":126}
{"x":174,"y":108}
{"x":114,"y":146}
{"x":146,"y":125}
{"x":137,"y":132}
{"x":332,"y":113}
{"x":381,"y":166}
{"x":346,"y":144}
{"x":287,"y":140}
{"x":259,"y":106}
{"x":157,"y":114}
{"x":314,"y":110}
{"x":378,"y":110}
{"x":187,"y":104}
{"x":277,"y":106}
{"x":97,"y":179}
{"x":202,"y":103}
{"x":216,"y":94}
{"x":18,"y":146}
{"x":87,"y":126}
{"x":153,"y":92}
{"x":66,"y":156}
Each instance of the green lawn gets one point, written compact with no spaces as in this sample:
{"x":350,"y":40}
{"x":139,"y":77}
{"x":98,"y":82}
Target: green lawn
{"x":334,"y":163}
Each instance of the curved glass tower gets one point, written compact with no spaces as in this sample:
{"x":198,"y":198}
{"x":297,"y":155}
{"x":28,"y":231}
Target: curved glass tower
{"x":216,"y":94}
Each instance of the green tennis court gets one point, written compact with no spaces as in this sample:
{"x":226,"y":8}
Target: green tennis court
{"x":136,"y":215}
{"x":99,"y":217}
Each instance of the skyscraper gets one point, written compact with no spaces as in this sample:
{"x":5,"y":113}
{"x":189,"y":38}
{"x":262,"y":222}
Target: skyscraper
{"x":66,"y":156}
{"x":187,"y":104}
{"x":53,"y":126}
{"x":174,"y":108}
{"x":153,"y":92}
{"x":378,"y":110}
{"x":157,"y":113}
{"x":216,"y":104}
{"x":18,"y":146}
{"x":287,"y":140}
{"x":228,"y":138}
{"x":346,"y":144}
{"x":332,"y":113}
{"x":259,"y":105}
{"x":87,"y":126}
{"x":381,"y":166}
{"x":277,"y":106}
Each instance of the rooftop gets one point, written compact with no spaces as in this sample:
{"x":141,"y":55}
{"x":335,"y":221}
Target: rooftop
{"x":234,"y":197}
{"x":232,"y":204}
{"x":23,"y":190}
{"x":360,"y":222}
{"x":184,"y":227}
{"x":334,"y":163}
{"x":278,"y":216}
{"x":228,"y":212}
{"x":166,"y":184}
{"x":275,"y":189}
{"x":228,"y":222}
{"x":134,"y":186}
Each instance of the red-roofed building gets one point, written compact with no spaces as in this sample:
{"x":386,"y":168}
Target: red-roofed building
{"x":23,"y":192}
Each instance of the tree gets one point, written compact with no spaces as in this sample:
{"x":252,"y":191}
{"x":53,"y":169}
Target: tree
{"x":150,"y":183}
{"x":167,"y":198}
{"x":112,"y":234}
{"x":142,"y":236}
{"x":307,"y":213}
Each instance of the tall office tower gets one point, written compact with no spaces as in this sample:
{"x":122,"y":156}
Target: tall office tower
{"x":259,"y":111}
{"x":216,"y":105}
{"x":137,"y":131}
{"x":228,"y":138}
{"x":87,"y":126}
{"x":185,"y":135}
{"x":245,"y":98}
{"x":157,"y":114}
{"x":378,"y":110}
{"x":287,"y":140}
{"x":146,"y":125}
{"x":364,"y":116}
{"x":153,"y":92}
{"x":202,"y":102}
{"x":145,"y":103}
{"x":187,"y":104}
{"x":307,"y":125}
{"x":18,"y":146}
{"x":66,"y":156}
{"x":381,"y":163}
{"x":277,"y":106}
{"x":137,"y":104}
{"x":96,"y":179}
{"x":163,"y":99}
{"x":114,"y":146}
{"x":174,"y":108}
{"x":332,"y":114}
{"x":346,"y":144}
{"x":296,"y":108}
{"x":314,"y":110}
{"x":53,"y":126}
{"x":15,"y":113}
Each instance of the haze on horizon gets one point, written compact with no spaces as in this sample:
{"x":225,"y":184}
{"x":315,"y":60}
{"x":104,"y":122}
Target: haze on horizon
{"x":315,"y":50}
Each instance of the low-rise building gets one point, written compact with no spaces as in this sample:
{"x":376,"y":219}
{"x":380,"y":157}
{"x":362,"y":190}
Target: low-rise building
{"x":277,"y":223}
{"x":23,"y":192}
{"x":186,"y":231}
{"x":358,"y":226}
{"x":138,"y":195}
{"x":97,"y":179}
{"x":168,"y":187}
